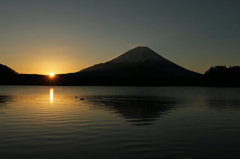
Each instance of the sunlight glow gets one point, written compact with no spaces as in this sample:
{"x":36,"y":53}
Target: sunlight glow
{"x":51,"y":74}
{"x":51,"y":95}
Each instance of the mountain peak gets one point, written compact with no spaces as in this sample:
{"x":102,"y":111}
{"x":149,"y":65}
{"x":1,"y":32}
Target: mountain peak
{"x":142,"y":48}
{"x":140,"y":60}
{"x":137,"y":54}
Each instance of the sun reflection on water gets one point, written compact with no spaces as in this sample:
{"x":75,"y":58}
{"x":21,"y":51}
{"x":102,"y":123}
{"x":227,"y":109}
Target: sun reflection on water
{"x":51,"y":95}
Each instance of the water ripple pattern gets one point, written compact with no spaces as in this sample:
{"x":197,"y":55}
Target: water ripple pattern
{"x":119,"y":122}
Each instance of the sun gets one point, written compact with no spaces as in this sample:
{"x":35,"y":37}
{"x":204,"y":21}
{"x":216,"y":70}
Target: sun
{"x":51,"y":74}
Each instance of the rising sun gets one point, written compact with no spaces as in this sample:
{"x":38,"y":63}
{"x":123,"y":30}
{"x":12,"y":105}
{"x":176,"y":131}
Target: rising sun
{"x":51,"y":74}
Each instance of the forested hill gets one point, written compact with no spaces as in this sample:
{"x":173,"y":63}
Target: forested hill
{"x":5,"y":70}
{"x":222,"y":76}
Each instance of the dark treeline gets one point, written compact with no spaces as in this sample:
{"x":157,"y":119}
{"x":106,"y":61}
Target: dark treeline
{"x":71,"y":80}
{"x":215,"y":76}
{"x":222,"y":76}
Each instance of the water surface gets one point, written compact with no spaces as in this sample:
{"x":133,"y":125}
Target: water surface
{"x":119,"y":122}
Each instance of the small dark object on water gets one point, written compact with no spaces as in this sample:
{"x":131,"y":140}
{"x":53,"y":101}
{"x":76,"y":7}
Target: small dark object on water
{"x":81,"y":98}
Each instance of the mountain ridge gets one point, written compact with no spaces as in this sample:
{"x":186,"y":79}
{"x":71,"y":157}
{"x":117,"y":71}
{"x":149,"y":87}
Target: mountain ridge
{"x":138,"y":54}
{"x":138,"y":61}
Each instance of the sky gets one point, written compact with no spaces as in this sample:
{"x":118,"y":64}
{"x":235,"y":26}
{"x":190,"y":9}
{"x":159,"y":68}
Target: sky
{"x":63,"y":36}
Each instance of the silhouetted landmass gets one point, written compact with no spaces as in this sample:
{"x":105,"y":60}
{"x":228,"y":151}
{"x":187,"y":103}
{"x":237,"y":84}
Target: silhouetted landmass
{"x":215,"y":76}
{"x":222,"y":76}
{"x":140,"y":66}
{"x":6,"y":70}
{"x":7,"y":75}
{"x":139,"y":61}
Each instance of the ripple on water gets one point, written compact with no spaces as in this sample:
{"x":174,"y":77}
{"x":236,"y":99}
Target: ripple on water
{"x":128,"y":123}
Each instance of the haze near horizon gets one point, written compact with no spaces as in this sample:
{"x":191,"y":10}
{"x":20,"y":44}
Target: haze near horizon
{"x":66,"y":36}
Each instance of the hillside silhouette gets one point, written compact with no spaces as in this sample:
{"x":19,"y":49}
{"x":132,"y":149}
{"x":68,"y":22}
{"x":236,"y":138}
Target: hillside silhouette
{"x":222,"y":76}
{"x":5,"y":70}
{"x":7,"y":75}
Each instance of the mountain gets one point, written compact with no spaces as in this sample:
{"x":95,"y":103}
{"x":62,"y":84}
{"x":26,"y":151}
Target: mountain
{"x":7,"y":75}
{"x":4,"y":70}
{"x":140,"y":61}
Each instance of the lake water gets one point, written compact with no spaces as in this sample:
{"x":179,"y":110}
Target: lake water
{"x":40,"y":122}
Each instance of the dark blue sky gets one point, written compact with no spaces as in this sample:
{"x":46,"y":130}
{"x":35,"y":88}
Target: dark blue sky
{"x":42,"y":36}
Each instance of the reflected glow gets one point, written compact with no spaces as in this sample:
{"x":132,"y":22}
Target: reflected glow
{"x":51,"y":95}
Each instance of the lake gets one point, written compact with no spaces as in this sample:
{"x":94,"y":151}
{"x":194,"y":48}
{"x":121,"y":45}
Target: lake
{"x":40,"y":122}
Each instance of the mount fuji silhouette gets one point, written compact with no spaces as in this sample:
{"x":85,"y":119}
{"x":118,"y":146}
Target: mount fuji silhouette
{"x":140,"y":61}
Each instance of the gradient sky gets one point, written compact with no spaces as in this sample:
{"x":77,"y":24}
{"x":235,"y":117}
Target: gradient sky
{"x":62,"y":36}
